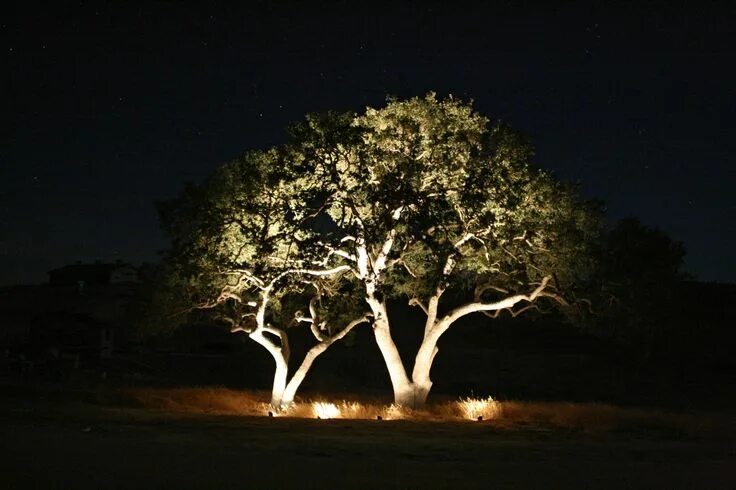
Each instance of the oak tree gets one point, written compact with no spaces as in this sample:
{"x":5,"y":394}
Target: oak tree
{"x":234,"y":255}
{"x":421,"y":199}
{"x":425,"y":196}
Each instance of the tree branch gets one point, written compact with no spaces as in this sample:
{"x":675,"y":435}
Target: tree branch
{"x":482,"y":288}
{"x":311,"y":272}
{"x":416,"y":302}
{"x":514,"y":313}
{"x":406,"y":266}
{"x":380,"y":262}
{"x":315,"y":351}
{"x":283,"y":337}
{"x":342,"y":333}
{"x":558,"y":298}
{"x":505,"y":303}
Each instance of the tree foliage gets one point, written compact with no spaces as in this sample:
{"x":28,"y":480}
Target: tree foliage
{"x":409,"y":200}
{"x":236,"y":255}
{"x":639,"y":271}
{"x":453,"y":177}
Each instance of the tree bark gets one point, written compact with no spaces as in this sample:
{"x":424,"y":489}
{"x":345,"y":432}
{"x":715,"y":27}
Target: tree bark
{"x":296,"y":380}
{"x":282,"y":368}
{"x":279,"y":384}
{"x":284,"y":389}
{"x":410,"y":393}
{"x":422,"y":367}
{"x":324,"y":342}
{"x":421,"y":382}
{"x":403,"y":389}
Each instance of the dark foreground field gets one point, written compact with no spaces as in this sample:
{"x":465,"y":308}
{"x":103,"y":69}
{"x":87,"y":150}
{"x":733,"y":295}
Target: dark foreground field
{"x":76,"y":444}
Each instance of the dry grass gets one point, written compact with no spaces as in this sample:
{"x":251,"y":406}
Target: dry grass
{"x":202,"y":400}
{"x":326,"y":410}
{"x":584,"y":417}
{"x":478,"y":408}
{"x":346,"y":410}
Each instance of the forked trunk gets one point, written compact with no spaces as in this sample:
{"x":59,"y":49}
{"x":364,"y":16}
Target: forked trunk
{"x":410,"y":393}
{"x":414,"y":396}
{"x":296,"y":379}
{"x":284,"y":389}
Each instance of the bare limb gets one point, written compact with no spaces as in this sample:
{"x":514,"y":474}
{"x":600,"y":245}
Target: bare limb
{"x":416,"y":302}
{"x":406,"y":266}
{"x":512,"y":312}
{"x":339,"y":253}
{"x":342,"y":333}
{"x":556,"y":297}
{"x":311,"y":272}
{"x":505,"y":303}
{"x":314,"y":328}
{"x":382,"y":256}
{"x":482,"y":288}
{"x":315,"y":351}
{"x":283,"y":337}
{"x":225,"y":295}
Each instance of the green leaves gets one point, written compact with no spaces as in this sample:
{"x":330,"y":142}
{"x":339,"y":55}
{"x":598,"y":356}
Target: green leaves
{"x":433,"y":175}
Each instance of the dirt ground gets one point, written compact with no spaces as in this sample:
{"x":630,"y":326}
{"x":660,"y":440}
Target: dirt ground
{"x":76,"y":445}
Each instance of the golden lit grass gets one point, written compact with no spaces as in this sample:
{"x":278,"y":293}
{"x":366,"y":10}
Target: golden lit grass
{"x":345,"y":410}
{"x":479,"y":408}
{"x":326,"y":410}
{"x":584,"y":417}
{"x":201,"y":400}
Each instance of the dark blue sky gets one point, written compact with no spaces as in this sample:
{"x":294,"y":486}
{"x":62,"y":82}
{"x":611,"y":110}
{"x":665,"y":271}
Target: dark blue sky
{"x":111,"y":108}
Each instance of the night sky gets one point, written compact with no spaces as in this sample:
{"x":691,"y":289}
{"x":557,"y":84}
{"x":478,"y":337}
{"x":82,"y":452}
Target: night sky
{"x":108,"y":108}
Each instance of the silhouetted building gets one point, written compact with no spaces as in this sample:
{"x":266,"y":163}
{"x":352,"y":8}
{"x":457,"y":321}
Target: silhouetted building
{"x":81,"y":312}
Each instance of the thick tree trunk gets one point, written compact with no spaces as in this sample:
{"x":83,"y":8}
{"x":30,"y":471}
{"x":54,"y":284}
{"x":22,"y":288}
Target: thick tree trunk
{"x":399,"y":380}
{"x":421,"y":383}
{"x":414,"y":396}
{"x":403,"y":389}
{"x":296,"y":380}
{"x":410,"y":393}
{"x":407,"y":393}
{"x":280,"y":373}
{"x":279,"y":384}
{"x":422,"y":367}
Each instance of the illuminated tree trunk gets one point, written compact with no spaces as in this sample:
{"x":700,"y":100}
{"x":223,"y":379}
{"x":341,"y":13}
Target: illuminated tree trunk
{"x":289,"y":392}
{"x":403,"y":389}
{"x":421,"y":383}
{"x":296,"y":380}
{"x":282,"y":367}
{"x":422,"y":366}
{"x":325,"y":342}
{"x":410,"y":393}
{"x":284,"y":390}
{"x":279,"y":384}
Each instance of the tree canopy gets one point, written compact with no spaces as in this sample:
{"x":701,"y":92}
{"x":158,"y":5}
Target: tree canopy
{"x":639,"y":270}
{"x":410,"y":200}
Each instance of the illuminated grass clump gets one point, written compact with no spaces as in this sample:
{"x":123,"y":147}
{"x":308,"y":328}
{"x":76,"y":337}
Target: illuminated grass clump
{"x":479,"y":408}
{"x":326,"y":410}
{"x":586,"y":417}
{"x":342,"y":410}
